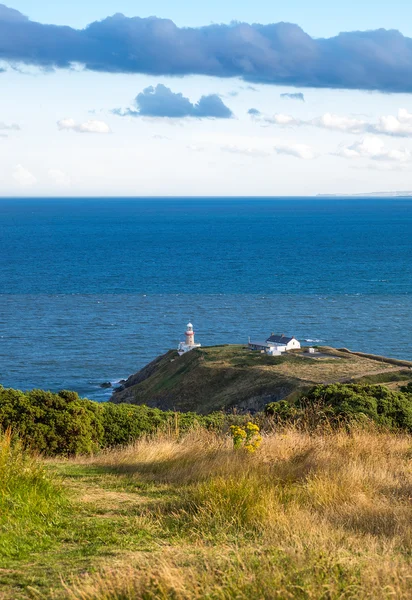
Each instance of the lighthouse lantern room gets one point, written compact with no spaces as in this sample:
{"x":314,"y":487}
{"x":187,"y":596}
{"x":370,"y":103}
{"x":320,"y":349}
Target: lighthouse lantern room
{"x":189,"y":343}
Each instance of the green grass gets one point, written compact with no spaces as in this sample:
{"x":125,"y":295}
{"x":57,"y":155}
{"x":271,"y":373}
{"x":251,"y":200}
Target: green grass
{"x":32,"y":504}
{"x":401,"y":376}
{"x":308,"y":516}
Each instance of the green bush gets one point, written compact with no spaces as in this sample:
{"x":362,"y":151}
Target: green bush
{"x":343,"y":403}
{"x":64,"y":424}
{"x":52,"y":423}
{"x":407,"y":389}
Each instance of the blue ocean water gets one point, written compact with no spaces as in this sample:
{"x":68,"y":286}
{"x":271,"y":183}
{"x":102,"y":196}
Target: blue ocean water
{"x":93,"y":289}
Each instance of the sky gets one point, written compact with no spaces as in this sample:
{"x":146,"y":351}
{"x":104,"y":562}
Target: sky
{"x":223,"y":99}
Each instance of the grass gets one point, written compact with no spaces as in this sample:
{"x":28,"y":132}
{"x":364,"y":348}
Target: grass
{"x":31,"y":503}
{"x":308,"y":516}
{"x":231,"y":376}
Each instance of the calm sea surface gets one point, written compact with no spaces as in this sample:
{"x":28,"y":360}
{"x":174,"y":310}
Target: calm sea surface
{"x":91,"y":290}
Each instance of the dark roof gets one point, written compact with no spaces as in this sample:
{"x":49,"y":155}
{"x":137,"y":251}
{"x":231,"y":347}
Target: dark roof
{"x":280,"y":339}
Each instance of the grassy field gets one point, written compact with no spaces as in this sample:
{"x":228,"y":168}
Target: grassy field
{"x":227,"y":377}
{"x":307,"y":516}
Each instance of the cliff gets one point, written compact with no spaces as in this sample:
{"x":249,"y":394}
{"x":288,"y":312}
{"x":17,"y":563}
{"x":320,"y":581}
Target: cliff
{"x":234,"y":378}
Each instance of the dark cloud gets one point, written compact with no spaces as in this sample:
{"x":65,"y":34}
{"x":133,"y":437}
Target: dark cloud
{"x":10,"y":15}
{"x":279,"y":53}
{"x":160,"y":101}
{"x":295,"y":96}
{"x":254,"y":112}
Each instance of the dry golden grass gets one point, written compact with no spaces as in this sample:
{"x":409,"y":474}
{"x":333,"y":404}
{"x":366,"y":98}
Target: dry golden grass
{"x":318,"y":370}
{"x":308,"y":516}
{"x":337,"y":365}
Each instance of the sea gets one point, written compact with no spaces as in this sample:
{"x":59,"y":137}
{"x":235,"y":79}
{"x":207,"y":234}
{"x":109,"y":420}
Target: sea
{"x":91,"y":290}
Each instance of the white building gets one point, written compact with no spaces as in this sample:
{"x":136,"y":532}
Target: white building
{"x":275,"y":345}
{"x":289,"y":343}
{"x":189,"y":343}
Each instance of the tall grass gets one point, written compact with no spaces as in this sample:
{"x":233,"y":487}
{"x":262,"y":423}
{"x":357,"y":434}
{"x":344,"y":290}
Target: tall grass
{"x":307,"y":516}
{"x":30,"y":502}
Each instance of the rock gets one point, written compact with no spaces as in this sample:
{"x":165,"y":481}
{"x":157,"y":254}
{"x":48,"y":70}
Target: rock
{"x":107,"y":385}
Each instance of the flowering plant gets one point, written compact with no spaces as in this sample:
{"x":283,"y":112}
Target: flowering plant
{"x":248,"y":437}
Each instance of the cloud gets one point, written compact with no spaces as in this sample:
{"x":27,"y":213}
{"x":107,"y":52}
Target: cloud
{"x":396,"y":126}
{"x":59,"y":177}
{"x":12,"y":127}
{"x":245,"y":151}
{"x":337,"y":123}
{"x":284,"y":120}
{"x":326,"y":121}
{"x":399,"y":126}
{"x":10,"y":15}
{"x":297,"y":96}
{"x":195,"y":148}
{"x":90,"y":126}
{"x":254,"y":112}
{"x":161,"y":102}
{"x":280,"y":53}
{"x":297,"y":150}
{"x":373,"y":148}
{"x":23,"y":176}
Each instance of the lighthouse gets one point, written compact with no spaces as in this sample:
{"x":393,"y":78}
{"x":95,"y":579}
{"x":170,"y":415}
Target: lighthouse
{"x":189,"y":343}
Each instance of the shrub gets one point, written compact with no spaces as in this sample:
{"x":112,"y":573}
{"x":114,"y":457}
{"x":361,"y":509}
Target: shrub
{"x":247,"y":437}
{"x":64,"y":424}
{"x":345,"y":403}
{"x":52,"y":423}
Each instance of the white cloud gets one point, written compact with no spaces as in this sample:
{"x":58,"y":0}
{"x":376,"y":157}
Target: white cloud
{"x":91,"y":126}
{"x":12,"y":127}
{"x":385,"y":167}
{"x":337,"y":123}
{"x":245,"y":151}
{"x":400,"y":126}
{"x":397,"y":126}
{"x":374,"y":148}
{"x":297,"y":150}
{"x":59,"y":177}
{"x":280,"y":119}
{"x":23,"y":176}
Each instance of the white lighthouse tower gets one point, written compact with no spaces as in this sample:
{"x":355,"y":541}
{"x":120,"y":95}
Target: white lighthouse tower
{"x":189,"y":343}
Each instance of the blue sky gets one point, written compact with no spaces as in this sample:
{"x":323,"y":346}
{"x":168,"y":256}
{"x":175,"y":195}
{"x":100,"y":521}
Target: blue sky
{"x":212,"y":114}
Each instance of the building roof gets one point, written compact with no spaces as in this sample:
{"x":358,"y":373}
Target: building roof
{"x":280,"y":339}
{"x":259,"y":343}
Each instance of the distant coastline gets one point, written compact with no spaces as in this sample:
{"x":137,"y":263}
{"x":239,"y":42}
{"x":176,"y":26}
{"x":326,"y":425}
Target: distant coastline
{"x":369,"y":195}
